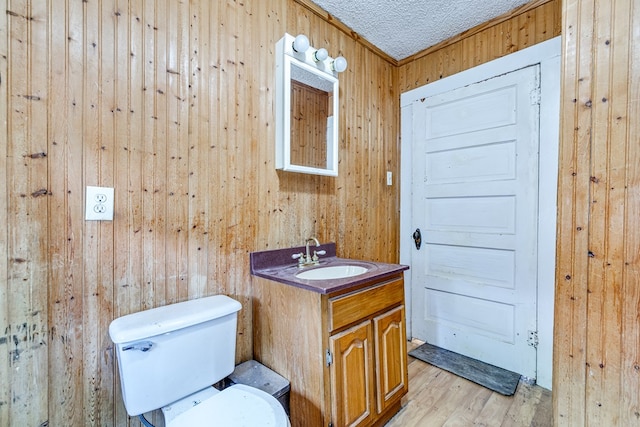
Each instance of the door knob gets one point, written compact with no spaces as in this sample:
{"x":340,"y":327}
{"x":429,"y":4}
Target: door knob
{"x":417,"y":238}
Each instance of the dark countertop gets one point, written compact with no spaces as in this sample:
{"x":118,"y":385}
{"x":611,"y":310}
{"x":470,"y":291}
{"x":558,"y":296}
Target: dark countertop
{"x":277,"y":265}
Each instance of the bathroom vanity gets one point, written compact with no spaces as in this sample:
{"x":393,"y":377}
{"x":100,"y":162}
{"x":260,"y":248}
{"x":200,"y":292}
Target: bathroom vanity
{"x":340,"y":342}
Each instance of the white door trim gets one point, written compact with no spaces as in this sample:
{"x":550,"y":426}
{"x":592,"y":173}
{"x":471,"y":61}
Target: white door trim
{"x":547,"y":54}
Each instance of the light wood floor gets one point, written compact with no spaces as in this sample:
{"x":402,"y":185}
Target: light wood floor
{"x":437,"y":398}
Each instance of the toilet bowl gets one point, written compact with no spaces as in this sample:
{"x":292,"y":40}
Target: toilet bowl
{"x":169,"y":356}
{"x":237,"y":405}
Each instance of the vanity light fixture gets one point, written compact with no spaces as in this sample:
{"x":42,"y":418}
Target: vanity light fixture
{"x":300,"y":43}
{"x":321,"y":54}
{"x":339,"y":64}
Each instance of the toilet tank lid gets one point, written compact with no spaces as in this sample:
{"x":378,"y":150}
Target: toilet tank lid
{"x":172,"y":317}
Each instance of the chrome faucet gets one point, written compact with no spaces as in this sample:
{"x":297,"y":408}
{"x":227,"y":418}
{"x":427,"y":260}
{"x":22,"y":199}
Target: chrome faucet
{"x":306,"y":244}
{"x":306,"y":259}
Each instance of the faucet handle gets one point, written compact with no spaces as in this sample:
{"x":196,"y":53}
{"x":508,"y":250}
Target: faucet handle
{"x":316,"y":253}
{"x":296,"y":256}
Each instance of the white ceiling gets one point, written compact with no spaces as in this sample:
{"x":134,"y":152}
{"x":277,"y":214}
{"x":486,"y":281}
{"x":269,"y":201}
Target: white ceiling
{"x":401,"y":28}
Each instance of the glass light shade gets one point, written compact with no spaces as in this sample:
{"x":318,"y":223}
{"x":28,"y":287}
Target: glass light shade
{"x":321,"y":54}
{"x":340,"y":64}
{"x":301,"y":43}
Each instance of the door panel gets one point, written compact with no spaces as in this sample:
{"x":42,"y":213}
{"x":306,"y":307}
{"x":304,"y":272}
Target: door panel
{"x":476,"y":315}
{"x":490,"y":109}
{"x":488,"y":162}
{"x":475,"y":190}
{"x":492,"y":267}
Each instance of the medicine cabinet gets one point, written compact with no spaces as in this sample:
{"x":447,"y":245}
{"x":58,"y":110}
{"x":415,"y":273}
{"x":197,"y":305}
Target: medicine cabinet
{"x":306,"y":109}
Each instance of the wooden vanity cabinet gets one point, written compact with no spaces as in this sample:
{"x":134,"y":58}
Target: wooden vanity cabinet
{"x":345,"y":355}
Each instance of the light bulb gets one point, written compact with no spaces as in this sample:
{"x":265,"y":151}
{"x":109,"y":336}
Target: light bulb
{"x":321,"y":54}
{"x":301,"y":43}
{"x":339,"y":64}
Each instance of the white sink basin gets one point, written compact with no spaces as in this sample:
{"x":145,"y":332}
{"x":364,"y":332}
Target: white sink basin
{"x":332,"y":272}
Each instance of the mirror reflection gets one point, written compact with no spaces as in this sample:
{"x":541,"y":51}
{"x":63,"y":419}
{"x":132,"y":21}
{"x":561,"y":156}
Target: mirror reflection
{"x":311,"y":119}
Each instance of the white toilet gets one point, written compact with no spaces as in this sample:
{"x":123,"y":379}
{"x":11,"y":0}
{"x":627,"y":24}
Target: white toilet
{"x":169,"y":356}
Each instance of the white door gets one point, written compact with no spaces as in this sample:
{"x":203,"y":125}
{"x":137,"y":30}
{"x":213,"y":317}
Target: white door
{"x":475,"y":201}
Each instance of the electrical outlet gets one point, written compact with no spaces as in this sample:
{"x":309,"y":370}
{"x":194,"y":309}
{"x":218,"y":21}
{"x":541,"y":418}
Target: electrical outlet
{"x":99,"y":204}
{"x":389,"y":178}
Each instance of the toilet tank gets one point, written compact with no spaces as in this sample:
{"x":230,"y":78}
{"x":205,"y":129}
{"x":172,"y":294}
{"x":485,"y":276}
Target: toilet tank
{"x":169,"y":352}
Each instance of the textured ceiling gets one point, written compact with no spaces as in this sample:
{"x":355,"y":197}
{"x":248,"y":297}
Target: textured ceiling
{"x":401,"y":28}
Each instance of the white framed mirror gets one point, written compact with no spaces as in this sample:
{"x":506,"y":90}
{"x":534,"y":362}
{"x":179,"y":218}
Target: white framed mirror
{"x":306,"y":110}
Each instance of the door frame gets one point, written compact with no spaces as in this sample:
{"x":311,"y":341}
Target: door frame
{"x":547,"y":54}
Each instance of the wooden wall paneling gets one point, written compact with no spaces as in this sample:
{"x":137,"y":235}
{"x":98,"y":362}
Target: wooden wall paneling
{"x":353,"y":157}
{"x":179,"y":88}
{"x":541,"y":24}
{"x":390,"y":136}
{"x":630,"y":399}
{"x":572,"y":264}
{"x":61,"y":243}
{"x":209,"y":104}
{"x":234,"y":149}
{"x":242,"y":190}
{"x":130,"y":137}
{"x":600,"y":328}
{"x":187,"y":160}
{"x":65,"y":245}
{"x":141,"y":162}
{"x":5,"y":341}
{"x":598,"y":217}
{"x":37,"y":232}
{"x":129,"y":171}
{"x":105,"y":154}
{"x":27,"y":240}
{"x":197,"y":125}
{"x":255,"y":53}
{"x":274,"y":230}
{"x":596,"y":344}
{"x":212,"y":71}
{"x":616,"y":99}
{"x":140,"y":112}
{"x":630,"y":352}
{"x":154,"y":118}
{"x":166,"y":69}
{"x":572,"y":237}
{"x":392,"y":133}
{"x":225,"y":126}
{"x":526,"y":29}
{"x":607,"y":170}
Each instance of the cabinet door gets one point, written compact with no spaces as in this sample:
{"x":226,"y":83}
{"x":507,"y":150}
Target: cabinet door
{"x":391,"y":357}
{"x":352,"y":380}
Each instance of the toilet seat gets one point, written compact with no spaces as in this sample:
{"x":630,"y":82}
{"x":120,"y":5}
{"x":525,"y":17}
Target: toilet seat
{"x":235,"y":406}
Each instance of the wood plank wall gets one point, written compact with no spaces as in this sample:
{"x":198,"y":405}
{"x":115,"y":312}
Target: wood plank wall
{"x":172,"y":104}
{"x":596,"y":378}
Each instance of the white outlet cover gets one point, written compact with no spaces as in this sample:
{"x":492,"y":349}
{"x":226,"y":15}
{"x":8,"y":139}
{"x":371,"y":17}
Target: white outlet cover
{"x":99,"y":204}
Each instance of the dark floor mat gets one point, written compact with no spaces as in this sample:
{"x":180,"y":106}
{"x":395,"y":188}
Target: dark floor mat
{"x":489,"y":376}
